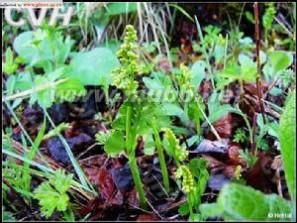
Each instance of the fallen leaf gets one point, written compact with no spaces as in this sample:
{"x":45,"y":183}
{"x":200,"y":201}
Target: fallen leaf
{"x":205,"y":89}
{"x":261,"y":174}
{"x":224,"y":126}
{"x":208,"y":146}
{"x":217,"y":181}
{"x":132,"y":198}
{"x":106,"y":185}
{"x":58,"y":152}
{"x":234,"y":155}
{"x":122,"y":178}
{"x":213,"y":164}
{"x":147,"y":217}
{"x":251,"y":88}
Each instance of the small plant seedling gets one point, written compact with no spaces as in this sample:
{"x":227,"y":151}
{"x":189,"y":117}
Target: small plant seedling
{"x":194,"y":175}
{"x":52,"y":194}
{"x":248,"y":157}
{"x":10,"y":66}
{"x":240,"y":136}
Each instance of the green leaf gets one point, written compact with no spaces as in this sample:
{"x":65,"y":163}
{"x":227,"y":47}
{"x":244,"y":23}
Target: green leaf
{"x":10,"y":84}
{"x":157,"y":81}
{"x":220,"y":112}
{"x":287,"y":136}
{"x":279,"y":61}
{"x":9,"y":67}
{"x":250,"y":17}
{"x":52,"y":194}
{"x":153,"y":84}
{"x":212,"y":209}
{"x":115,"y":143}
{"x":243,"y":203}
{"x":69,"y":90}
{"x":198,"y":73}
{"x":230,"y":74}
{"x":61,"y":181}
{"x":184,"y":209}
{"x":149,"y":145}
{"x":24,"y":82}
{"x":94,"y":67}
{"x":248,"y":68}
{"x":193,"y":140}
{"x":24,"y":47}
{"x":172,"y":109}
{"x":45,"y":97}
{"x":121,"y":8}
{"x":197,"y":166}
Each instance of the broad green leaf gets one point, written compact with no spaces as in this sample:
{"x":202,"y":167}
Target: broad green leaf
{"x":93,"y":67}
{"x":230,"y":74}
{"x":153,"y":84}
{"x":121,"y":8}
{"x":43,"y":48}
{"x":243,"y":203}
{"x":157,"y":81}
{"x":279,"y":61}
{"x":172,"y":109}
{"x":198,"y":73}
{"x":211,"y":209}
{"x":115,"y":143}
{"x":287,"y":136}
{"x":24,"y":82}
{"x":24,"y":47}
{"x":248,"y":68}
{"x":220,"y":112}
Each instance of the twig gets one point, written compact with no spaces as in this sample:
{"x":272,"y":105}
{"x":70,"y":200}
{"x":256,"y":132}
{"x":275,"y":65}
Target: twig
{"x":258,"y":79}
{"x":154,"y":210}
{"x":254,"y":146}
{"x":214,"y":131}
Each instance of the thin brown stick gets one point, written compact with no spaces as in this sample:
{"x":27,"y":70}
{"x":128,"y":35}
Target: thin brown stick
{"x":258,"y":79}
{"x":254,"y":145}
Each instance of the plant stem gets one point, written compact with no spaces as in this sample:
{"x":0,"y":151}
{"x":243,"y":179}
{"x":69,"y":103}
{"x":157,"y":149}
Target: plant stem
{"x":205,"y":54}
{"x":81,"y":175}
{"x":258,"y":79}
{"x":214,"y":131}
{"x":132,"y":161}
{"x":128,"y":127}
{"x":161,"y":157}
{"x":137,"y":181}
{"x":27,"y":93}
